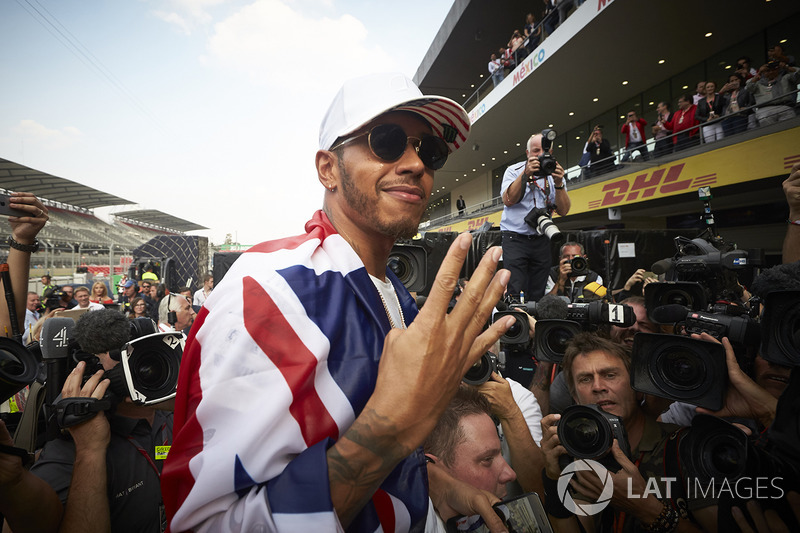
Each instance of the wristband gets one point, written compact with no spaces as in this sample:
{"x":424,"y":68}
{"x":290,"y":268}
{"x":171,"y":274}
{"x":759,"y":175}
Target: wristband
{"x":666,"y":521}
{"x":793,"y":222}
{"x":552,"y":503}
{"x":23,"y":247}
{"x":556,"y":187}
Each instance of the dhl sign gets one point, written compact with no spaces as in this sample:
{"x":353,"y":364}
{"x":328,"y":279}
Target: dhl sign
{"x":755,"y":159}
{"x":763,"y":157}
{"x":660,"y":182}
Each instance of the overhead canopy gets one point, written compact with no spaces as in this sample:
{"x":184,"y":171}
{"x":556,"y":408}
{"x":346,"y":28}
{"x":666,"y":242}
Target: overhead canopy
{"x":158,"y":218}
{"x":17,"y":177}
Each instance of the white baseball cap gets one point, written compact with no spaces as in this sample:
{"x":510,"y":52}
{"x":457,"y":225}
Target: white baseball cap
{"x":360,"y":100}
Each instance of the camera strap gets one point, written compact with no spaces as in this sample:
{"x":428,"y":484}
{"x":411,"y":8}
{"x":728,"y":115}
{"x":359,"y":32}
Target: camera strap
{"x":73,"y":411}
{"x":544,"y":190}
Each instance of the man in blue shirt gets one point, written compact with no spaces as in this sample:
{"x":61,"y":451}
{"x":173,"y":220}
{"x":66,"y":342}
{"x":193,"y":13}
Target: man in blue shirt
{"x":526,"y":252}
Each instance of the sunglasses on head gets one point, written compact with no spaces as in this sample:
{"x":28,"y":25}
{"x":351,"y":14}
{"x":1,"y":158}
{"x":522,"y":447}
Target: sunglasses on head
{"x":389,"y":141}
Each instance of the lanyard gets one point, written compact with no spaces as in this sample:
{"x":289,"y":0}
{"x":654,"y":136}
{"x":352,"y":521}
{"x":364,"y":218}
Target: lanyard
{"x":146,"y":455}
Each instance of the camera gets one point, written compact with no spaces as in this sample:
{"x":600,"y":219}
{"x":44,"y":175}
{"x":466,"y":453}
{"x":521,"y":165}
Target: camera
{"x":52,"y":298}
{"x":547,"y":163}
{"x":552,"y":336}
{"x":691,"y":295}
{"x":709,"y":449}
{"x":780,"y":328}
{"x":409,"y":263}
{"x":520,"y":332}
{"x":588,"y":432}
{"x":738,"y":329}
{"x":481,"y":371}
{"x":539,"y":219}
{"x":679,"y":368}
{"x":18,"y":368}
{"x":579,"y":265}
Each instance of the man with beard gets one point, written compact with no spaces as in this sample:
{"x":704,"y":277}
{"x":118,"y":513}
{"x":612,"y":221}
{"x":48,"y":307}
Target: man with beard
{"x":306,"y":390}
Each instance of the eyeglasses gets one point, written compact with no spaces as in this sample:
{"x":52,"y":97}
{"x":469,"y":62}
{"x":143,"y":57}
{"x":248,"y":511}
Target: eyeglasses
{"x":389,"y":141}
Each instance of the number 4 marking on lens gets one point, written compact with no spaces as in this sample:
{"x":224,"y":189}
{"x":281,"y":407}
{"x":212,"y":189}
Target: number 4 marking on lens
{"x":61,"y":339}
{"x":615,"y":314}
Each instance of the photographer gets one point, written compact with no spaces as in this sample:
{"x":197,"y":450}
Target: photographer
{"x":597,"y":372}
{"x":110,"y":468}
{"x":526,"y":252}
{"x":564,"y":281}
{"x":600,"y":155}
{"x":464,"y":443}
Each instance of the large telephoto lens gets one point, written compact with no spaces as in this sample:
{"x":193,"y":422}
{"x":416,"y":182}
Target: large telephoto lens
{"x":548,"y":228}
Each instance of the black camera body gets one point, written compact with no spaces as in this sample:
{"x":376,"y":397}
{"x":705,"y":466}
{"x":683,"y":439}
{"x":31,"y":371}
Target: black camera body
{"x":547,"y":163}
{"x":679,"y":368}
{"x":738,"y":329}
{"x":579,"y":265}
{"x":588,"y":432}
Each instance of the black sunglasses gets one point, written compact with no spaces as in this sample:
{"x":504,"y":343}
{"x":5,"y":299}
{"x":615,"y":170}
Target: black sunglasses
{"x":389,"y":141}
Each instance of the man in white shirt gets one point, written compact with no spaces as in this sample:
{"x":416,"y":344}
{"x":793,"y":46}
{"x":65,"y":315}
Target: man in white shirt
{"x":201,"y":295}
{"x":82,"y":297}
{"x":175,"y":313}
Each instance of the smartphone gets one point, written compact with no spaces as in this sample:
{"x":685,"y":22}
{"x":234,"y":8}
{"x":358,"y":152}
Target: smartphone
{"x":522,"y":514}
{"x":5,"y":208}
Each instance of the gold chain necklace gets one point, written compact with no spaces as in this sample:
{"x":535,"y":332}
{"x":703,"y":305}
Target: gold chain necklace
{"x":380,"y":293}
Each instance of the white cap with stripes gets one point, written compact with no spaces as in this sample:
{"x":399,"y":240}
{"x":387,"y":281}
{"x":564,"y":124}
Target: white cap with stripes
{"x":360,"y":100}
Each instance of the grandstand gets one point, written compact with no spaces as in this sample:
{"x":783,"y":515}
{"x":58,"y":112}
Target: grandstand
{"x":606,"y":58}
{"x":74,"y":237}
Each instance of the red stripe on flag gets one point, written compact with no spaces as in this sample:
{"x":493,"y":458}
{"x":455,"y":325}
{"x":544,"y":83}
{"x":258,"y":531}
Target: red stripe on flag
{"x":385,"y":509}
{"x":262,"y":320}
{"x":176,"y":478}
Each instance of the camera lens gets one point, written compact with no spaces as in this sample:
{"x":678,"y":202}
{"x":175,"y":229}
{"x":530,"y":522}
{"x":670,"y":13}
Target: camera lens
{"x":399,"y":266}
{"x":586,"y":431}
{"x":151,"y":371}
{"x":678,"y":297}
{"x":726,"y":459}
{"x":558,"y":338}
{"x":681,"y":369}
{"x":481,"y":371}
{"x":582,"y":433}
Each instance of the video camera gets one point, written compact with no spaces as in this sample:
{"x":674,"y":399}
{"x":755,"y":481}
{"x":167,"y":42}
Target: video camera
{"x":553,"y":335}
{"x":148,"y":369}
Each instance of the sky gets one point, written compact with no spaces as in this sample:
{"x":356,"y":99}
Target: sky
{"x":208,"y":110}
